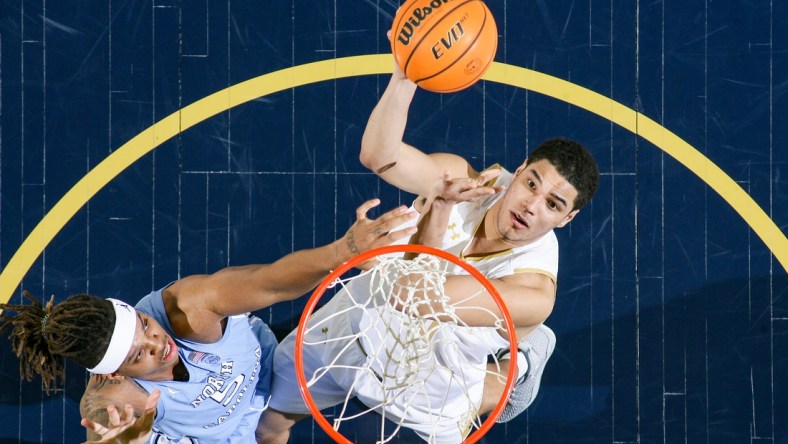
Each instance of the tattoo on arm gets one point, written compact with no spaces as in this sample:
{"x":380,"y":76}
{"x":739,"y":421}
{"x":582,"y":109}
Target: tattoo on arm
{"x":351,"y":242}
{"x":103,"y":381}
{"x":99,"y":416}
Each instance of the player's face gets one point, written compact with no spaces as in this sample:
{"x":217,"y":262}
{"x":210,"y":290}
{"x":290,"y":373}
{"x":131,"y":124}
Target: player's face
{"x":153,"y":353}
{"x":538,"y":200}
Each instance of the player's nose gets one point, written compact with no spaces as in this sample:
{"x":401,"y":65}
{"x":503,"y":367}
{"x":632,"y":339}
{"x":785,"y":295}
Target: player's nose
{"x":530,"y":203}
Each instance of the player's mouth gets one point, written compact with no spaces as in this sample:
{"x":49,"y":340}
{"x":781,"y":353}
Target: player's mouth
{"x":170,"y":350}
{"x":518,"y":221}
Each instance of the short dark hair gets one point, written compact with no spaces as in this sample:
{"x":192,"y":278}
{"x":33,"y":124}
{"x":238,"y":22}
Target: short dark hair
{"x":78,"y":328}
{"x":574,"y":163}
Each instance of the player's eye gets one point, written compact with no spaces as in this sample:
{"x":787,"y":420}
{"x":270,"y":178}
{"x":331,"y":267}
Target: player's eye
{"x":552,"y":205}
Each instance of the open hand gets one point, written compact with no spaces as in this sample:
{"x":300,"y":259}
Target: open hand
{"x":125,"y":428}
{"x":462,"y":189}
{"x":367,"y":233}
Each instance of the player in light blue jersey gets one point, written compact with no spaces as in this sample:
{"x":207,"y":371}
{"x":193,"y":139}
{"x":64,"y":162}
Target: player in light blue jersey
{"x":188,"y":361}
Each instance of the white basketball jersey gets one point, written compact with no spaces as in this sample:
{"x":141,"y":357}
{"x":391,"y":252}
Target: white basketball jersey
{"x":540,"y":256}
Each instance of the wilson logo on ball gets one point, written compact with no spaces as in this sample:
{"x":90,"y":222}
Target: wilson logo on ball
{"x":444,"y":45}
{"x":418,"y":15}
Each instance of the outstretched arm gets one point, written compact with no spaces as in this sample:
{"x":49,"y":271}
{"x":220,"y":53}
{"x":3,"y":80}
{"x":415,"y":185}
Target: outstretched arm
{"x":236,"y":290}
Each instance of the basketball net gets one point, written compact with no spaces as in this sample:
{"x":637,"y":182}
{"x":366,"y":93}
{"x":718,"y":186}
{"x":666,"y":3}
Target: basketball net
{"x":424,"y":367}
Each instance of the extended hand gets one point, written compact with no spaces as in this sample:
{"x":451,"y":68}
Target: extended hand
{"x":464,"y":189}
{"x":366,"y":233}
{"x":125,"y":428}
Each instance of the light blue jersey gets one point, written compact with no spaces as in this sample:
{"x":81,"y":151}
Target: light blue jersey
{"x":228,"y":387}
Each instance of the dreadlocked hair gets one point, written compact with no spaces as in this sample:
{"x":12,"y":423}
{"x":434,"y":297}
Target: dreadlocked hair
{"x":78,"y":328}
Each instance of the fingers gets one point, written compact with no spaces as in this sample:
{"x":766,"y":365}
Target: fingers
{"x":391,"y":220}
{"x":488,"y":175}
{"x":150,"y":406}
{"x":483,"y":178}
{"x":369,"y":233}
{"x":388,"y":220}
{"x":394,"y":236}
{"x":153,"y":400}
{"x":361,"y":211}
{"x":468,"y":189}
{"x":475,"y":191}
{"x":397,"y":216}
{"x":146,"y":423}
{"x":117,"y":420}
{"x":93,"y":426}
{"x":128,"y":414}
{"x":386,"y":225}
{"x":114,"y":417}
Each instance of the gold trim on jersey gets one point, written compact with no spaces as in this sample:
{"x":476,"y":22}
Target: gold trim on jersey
{"x":489,"y":256}
{"x":537,"y":271}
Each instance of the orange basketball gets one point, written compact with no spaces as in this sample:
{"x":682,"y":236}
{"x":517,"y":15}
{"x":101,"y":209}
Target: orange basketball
{"x":444,"y":45}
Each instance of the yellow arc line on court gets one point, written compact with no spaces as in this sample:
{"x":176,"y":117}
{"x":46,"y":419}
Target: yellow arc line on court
{"x":260,"y":86}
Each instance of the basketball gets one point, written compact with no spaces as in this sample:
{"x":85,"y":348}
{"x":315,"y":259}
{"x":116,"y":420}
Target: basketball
{"x":444,"y":45}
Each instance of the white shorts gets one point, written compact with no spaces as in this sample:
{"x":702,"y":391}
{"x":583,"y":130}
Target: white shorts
{"x":450,"y":401}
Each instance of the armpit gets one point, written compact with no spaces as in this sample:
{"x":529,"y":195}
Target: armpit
{"x":537,"y":271}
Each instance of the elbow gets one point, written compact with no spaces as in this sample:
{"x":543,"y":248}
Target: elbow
{"x":373,"y":161}
{"x":367,"y":154}
{"x":366,"y":158}
{"x":536,"y":312}
{"x":547,"y":310}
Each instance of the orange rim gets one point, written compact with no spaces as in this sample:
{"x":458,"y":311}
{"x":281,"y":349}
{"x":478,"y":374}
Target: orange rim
{"x":363,"y":257}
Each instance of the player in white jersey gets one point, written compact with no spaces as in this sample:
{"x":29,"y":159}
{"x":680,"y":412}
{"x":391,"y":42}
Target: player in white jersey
{"x":506,"y":234}
{"x":206,"y":363}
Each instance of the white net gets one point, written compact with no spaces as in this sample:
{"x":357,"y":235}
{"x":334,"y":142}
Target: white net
{"x":408,"y":355}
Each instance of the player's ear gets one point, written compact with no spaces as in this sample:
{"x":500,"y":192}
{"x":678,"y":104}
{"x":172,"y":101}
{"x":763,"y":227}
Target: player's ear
{"x":568,"y":218}
{"x":521,"y":167}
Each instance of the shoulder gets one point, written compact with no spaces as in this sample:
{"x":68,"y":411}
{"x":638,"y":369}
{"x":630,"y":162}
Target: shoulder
{"x":548,"y":242}
{"x":188,"y":309}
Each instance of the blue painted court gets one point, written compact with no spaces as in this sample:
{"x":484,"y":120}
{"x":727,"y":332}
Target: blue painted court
{"x":672,"y":306}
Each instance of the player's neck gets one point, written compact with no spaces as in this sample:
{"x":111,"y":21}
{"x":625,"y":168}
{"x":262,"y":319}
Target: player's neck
{"x":486,"y":241}
{"x":180,"y":372}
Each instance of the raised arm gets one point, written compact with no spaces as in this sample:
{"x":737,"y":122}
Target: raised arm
{"x":236,"y":290}
{"x":384,"y":152}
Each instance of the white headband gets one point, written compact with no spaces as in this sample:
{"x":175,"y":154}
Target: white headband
{"x":122,"y":337}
